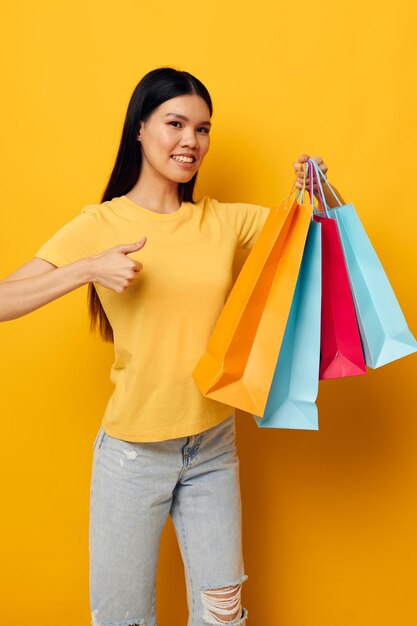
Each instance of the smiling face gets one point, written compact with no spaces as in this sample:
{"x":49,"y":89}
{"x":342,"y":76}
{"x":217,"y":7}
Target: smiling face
{"x":179,"y":126}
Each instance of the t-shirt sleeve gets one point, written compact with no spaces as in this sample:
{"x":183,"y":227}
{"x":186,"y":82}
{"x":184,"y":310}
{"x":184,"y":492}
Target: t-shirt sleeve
{"x":247,"y":221}
{"x":76,"y":239}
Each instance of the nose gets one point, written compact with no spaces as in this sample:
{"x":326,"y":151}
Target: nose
{"x":189,"y":138}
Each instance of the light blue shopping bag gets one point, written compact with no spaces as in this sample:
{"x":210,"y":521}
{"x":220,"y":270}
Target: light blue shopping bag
{"x":294,"y":388}
{"x":384,"y":331}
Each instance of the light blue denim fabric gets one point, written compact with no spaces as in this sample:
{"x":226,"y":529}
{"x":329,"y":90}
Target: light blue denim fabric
{"x":134,"y":486}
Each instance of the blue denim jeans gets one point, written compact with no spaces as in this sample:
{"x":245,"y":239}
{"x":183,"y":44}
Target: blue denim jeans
{"x":134,"y":486}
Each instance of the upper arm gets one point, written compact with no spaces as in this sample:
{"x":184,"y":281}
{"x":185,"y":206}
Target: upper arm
{"x":246,"y":220}
{"x":74,"y":240}
{"x":249,"y":220}
{"x":31,"y":268}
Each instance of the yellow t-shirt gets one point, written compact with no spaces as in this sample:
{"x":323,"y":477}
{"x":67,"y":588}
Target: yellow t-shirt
{"x":163,"y":320}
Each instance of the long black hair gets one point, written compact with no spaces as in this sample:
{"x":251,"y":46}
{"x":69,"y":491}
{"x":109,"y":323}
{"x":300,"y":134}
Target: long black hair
{"x":153,"y":89}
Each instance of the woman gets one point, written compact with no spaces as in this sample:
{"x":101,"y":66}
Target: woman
{"x":162,"y":447}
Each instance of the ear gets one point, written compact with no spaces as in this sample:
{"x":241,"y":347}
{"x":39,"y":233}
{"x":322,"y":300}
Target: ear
{"x":138,"y":135}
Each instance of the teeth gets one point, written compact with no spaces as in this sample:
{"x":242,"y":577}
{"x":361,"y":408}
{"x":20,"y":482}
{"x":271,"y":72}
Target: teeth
{"x":176,"y":157}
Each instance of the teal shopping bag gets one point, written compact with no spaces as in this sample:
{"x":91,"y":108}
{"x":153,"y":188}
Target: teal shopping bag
{"x":384,"y":331}
{"x":294,"y":388}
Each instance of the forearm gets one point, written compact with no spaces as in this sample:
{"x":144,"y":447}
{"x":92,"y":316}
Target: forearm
{"x":19,"y":297}
{"x":329,"y":197}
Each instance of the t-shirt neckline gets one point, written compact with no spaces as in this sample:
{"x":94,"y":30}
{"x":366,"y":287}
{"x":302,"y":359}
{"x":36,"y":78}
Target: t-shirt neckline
{"x":153,"y":214}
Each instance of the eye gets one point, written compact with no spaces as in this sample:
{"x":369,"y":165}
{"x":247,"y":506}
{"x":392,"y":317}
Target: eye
{"x":203,"y":128}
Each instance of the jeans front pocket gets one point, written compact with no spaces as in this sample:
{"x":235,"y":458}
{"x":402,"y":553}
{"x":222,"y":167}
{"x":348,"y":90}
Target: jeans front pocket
{"x":99,"y":438}
{"x":96,"y":450}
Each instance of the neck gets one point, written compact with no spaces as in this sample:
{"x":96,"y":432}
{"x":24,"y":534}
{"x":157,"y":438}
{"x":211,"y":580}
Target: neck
{"x":155,"y":194}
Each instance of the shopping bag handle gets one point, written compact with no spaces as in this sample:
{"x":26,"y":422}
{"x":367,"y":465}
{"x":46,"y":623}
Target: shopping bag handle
{"x":309,"y":175}
{"x":304,"y":166}
{"x":321,"y":198}
{"x":317,"y":170}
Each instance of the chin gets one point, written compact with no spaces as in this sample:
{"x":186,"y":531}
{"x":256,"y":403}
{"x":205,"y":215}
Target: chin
{"x":185,"y":178}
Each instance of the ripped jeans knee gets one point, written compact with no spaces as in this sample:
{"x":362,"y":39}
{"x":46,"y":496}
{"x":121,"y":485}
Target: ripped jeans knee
{"x":222,"y":605}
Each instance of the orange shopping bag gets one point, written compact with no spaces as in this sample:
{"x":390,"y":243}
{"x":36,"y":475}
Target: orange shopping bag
{"x":238,"y":366}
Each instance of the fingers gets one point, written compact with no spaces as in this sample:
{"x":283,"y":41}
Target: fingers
{"x":300,"y":178}
{"x":320,"y":163}
{"x":138,"y":265}
{"x":303,"y":158}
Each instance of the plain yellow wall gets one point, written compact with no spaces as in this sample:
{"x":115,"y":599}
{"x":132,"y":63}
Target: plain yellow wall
{"x":329,"y":516}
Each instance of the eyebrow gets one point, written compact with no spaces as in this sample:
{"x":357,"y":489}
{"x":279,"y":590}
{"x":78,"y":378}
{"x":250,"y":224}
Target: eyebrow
{"x":183,"y":117}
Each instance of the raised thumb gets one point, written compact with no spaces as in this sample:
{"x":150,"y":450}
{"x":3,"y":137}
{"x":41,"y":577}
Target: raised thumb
{"x":130,"y":247}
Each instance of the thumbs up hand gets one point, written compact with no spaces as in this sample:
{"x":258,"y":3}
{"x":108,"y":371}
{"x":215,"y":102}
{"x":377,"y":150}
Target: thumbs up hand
{"x":114,"y":269}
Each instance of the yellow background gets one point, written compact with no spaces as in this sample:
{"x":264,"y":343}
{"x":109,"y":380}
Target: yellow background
{"x":329,"y":516}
